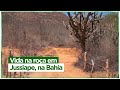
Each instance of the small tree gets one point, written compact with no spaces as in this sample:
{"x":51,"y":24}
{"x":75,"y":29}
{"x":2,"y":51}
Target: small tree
{"x":82,"y":25}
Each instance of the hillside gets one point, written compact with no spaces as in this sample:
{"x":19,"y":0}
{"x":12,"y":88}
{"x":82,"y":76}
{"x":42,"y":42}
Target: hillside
{"x":41,"y":29}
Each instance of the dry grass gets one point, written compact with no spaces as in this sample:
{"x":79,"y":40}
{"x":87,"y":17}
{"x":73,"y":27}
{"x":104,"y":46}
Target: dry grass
{"x":103,"y":74}
{"x":68,"y":56}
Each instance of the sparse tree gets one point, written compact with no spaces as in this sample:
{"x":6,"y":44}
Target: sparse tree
{"x":82,"y":25}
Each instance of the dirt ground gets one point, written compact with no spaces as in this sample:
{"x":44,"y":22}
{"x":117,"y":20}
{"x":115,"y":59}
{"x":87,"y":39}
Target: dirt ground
{"x":68,"y":56}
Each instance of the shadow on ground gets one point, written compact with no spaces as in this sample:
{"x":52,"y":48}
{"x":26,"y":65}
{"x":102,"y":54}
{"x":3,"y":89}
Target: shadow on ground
{"x":80,"y":64}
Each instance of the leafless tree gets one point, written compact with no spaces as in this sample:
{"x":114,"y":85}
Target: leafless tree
{"x":82,"y":25}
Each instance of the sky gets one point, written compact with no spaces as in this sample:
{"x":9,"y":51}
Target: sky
{"x":104,"y":13}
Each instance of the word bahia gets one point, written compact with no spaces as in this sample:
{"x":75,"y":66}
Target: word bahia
{"x":54,"y":67}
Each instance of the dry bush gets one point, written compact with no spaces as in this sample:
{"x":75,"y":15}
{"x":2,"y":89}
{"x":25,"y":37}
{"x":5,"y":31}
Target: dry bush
{"x":105,"y":47}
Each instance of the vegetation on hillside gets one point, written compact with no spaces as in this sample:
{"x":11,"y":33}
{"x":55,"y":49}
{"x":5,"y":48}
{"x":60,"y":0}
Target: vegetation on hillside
{"x":33,"y":32}
{"x":105,"y":47}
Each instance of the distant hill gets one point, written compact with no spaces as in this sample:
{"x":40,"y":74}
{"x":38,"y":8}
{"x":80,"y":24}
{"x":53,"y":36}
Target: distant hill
{"x":39,"y":29}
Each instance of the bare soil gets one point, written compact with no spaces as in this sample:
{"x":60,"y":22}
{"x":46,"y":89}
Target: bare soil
{"x":68,"y":56}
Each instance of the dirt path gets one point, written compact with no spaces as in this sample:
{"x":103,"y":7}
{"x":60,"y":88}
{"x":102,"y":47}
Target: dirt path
{"x":68,"y":57}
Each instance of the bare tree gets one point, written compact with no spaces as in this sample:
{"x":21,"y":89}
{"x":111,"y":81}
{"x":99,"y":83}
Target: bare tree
{"x":82,"y":25}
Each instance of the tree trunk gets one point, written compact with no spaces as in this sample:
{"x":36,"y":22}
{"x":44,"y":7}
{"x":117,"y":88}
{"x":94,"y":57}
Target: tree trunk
{"x":83,"y":44}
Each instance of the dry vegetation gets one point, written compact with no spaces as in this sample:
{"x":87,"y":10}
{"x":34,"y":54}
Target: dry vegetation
{"x":30,"y":34}
{"x":106,"y":47}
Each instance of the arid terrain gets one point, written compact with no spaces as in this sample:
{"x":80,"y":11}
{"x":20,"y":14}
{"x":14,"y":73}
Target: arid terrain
{"x":63,"y":54}
{"x":68,"y":56}
{"x":43,"y":34}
